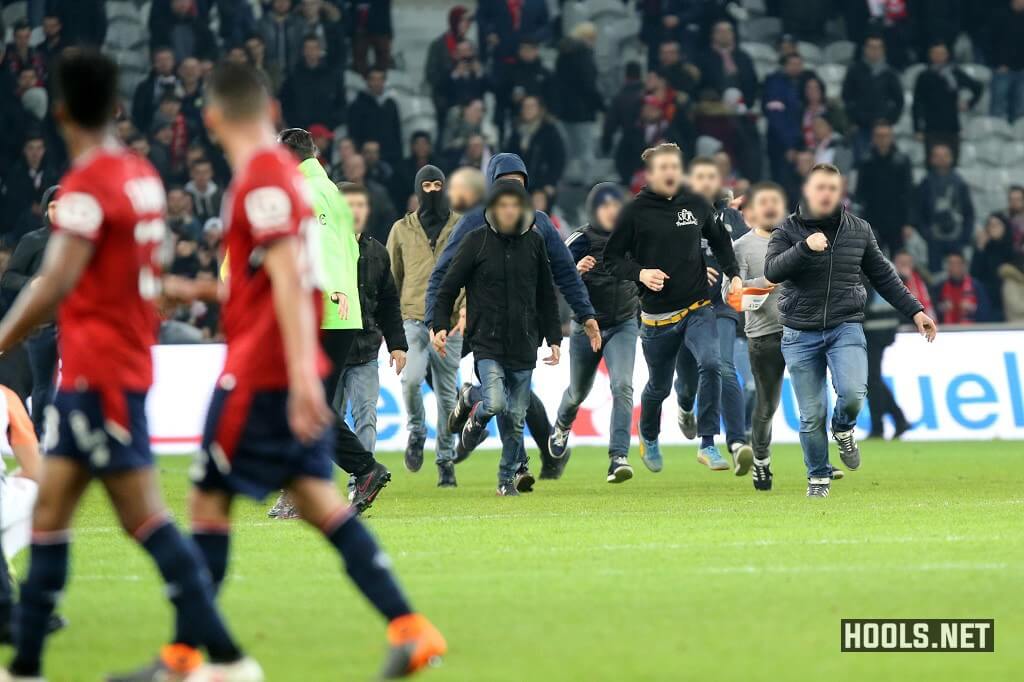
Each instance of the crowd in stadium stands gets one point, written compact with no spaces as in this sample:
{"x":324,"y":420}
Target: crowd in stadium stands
{"x":524,"y":76}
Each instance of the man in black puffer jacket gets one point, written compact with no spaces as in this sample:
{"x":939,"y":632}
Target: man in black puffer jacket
{"x":616,"y":303}
{"x":817,"y":256}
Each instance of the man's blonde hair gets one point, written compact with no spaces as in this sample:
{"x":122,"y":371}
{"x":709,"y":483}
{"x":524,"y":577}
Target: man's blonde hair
{"x":659,"y":149}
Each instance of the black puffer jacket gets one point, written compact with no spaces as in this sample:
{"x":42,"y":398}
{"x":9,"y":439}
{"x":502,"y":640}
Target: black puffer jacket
{"x":821,"y":290}
{"x":378,"y":298}
{"x":615,"y":300}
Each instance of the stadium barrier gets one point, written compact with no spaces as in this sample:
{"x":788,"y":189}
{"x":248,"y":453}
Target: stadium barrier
{"x":968,"y":385}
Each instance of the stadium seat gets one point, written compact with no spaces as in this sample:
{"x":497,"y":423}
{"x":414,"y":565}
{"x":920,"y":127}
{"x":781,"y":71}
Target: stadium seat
{"x":122,"y":10}
{"x":968,"y":154}
{"x":978,"y":72}
{"x":606,"y":9}
{"x":974,"y":176}
{"x":761,"y":29}
{"x":990,"y":151}
{"x":985,"y":127}
{"x":841,"y":51}
{"x":402,"y":82}
{"x":915,"y":152}
{"x":755,"y":7}
{"x":707,"y":145}
{"x":122,"y":35}
{"x":13,"y":13}
{"x":764,"y":68}
{"x":414,"y":106}
{"x":131,"y":60}
{"x":761,"y":51}
{"x":1000,"y":179}
{"x":833,"y":75}
{"x":811,"y":53}
{"x":1018,"y":129}
{"x":1012,"y":154}
{"x":918,"y":174}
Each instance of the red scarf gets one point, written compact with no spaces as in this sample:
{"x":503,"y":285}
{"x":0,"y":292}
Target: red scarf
{"x":515,"y":9}
{"x":919,"y":289}
{"x":962,"y":300}
{"x":179,"y":141}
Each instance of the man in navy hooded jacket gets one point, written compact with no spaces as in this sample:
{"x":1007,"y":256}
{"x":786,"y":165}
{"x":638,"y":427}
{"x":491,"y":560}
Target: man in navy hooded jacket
{"x":567,"y":279}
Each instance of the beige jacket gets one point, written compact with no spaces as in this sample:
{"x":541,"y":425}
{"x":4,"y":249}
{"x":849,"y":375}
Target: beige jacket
{"x":412,"y":261}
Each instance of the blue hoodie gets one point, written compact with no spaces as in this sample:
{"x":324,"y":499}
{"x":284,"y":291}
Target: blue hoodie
{"x":563,"y":268}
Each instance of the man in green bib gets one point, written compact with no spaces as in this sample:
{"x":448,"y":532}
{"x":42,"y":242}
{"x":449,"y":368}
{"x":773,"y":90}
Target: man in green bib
{"x":337,"y":261}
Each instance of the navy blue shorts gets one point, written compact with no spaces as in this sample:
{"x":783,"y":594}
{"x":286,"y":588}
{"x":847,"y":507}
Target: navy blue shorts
{"x":105,"y":430}
{"x":248,"y":447}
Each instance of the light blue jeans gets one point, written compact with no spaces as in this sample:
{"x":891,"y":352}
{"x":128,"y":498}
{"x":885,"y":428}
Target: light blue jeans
{"x":506,"y":395}
{"x":843,"y":352}
{"x":358,"y":392}
{"x":443,"y":373}
{"x":618,"y":348}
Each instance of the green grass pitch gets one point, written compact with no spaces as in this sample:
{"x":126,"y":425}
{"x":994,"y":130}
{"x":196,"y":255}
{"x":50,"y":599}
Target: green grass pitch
{"x":684,"y":575}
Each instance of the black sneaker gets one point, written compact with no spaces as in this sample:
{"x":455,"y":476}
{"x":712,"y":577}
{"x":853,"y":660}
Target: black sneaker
{"x":446,"y":475}
{"x":761,"y":473}
{"x":472,"y":435}
{"x":524,"y":480}
{"x":558,"y":442}
{"x":849,"y":452}
{"x":619,"y":469}
{"x":836,"y":474}
{"x":818,"y":487}
{"x":552,"y":470}
{"x":414,"y":453}
{"x":507,"y":489}
{"x":369,"y":485}
{"x":460,"y":413}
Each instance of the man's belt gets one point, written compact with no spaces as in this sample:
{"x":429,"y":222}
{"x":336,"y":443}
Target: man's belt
{"x":677,"y":317}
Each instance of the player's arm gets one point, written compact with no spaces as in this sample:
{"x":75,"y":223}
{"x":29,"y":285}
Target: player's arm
{"x":308,"y":411}
{"x":64,"y":261}
{"x":178,"y":289}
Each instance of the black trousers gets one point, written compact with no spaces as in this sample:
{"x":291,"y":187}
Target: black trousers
{"x":42,"y":358}
{"x":349,"y":453}
{"x":768,"y":366}
{"x":881,"y":401}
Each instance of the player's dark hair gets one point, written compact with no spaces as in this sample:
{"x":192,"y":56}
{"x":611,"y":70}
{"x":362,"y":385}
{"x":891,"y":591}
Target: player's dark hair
{"x":238,"y":91}
{"x":299,"y":142}
{"x":348,"y":188}
{"x":85,"y":83}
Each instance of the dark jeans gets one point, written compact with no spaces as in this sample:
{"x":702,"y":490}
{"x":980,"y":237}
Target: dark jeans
{"x":842,"y":351}
{"x":536,"y":420}
{"x":506,"y":395}
{"x":768,"y":366}
{"x":618,"y":348}
{"x":42,"y":358}
{"x":697,"y":334}
{"x":349,"y":453}
{"x":732,"y":405}
{"x":880,"y":398}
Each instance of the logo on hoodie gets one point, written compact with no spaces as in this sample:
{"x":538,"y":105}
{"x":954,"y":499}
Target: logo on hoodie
{"x":685,"y":217}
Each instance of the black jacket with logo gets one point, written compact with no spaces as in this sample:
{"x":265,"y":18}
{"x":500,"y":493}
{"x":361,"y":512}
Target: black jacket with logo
{"x":823,"y":289}
{"x":510,"y":296}
{"x":664,"y":233}
{"x":378,"y":297}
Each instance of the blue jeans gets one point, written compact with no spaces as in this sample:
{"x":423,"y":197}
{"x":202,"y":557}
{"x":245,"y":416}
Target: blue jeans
{"x":732,"y":404}
{"x":843,"y":351}
{"x":443,"y":372}
{"x":618,"y":347}
{"x":1008,"y":95}
{"x":506,"y":395}
{"x":358,"y":391}
{"x":696,"y":334}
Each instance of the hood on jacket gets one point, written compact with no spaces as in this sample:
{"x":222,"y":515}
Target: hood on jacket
{"x":48,"y":196}
{"x":503,"y":188}
{"x":455,"y":15}
{"x":601,"y":192}
{"x":505,"y":164}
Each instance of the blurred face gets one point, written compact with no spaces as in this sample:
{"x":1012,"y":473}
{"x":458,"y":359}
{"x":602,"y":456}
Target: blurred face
{"x":874,"y":50}
{"x":768,"y":209}
{"x":995,"y":228}
{"x":461,"y":193}
{"x":1016,"y":201}
{"x":668,"y":54}
{"x":881,"y":138}
{"x":202,"y":174}
{"x":955,"y":266}
{"x":22,"y":37}
{"x":311,"y":52}
{"x":346,"y":148}
{"x":190,"y":71}
{"x":804,"y":162}
{"x":360,"y":210}
{"x":794,"y":66}
{"x":822,"y":192}
{"x":355,"y":168}
{"x":475,"y":148}
{"x":723,"y":36}
{"x":170,"y":108}
{"x":706,"y":180}
{"x":311,"y":9}
{"x":651,"y":113}
{"x":282,"y":6}
{"x":508,"y":211}
{"x":464,"y":23}
{"x":163,"y":62}
{"x":140,"y":146}
{"x":181,"y":7}
{"x":473,"y":113}
{"x":941,"y":158}
{"x":371,"y":153}
{"x":177,"y":202}
{"x":822,"y":130}
{"x":51,"y":211}
{"x":724,"y":164}
{"x":530,"y":110}
{"x":26,"y":79}
{"x":665,"y":173}
{"x":375,"y":82}
{"x":607,"y":213}
{"x":34,"y":151}
{"x":904,"y":265}
{"x":528,"y":52}
{"x":464,"y":51}
{"x":539,"y":199}
{"x":236,"y":55}
{"x":164,"y":135}
{"x":255,"y":48}
{"x":938,"y":55}
{"x":812,"y":91}
{"x":421,"y":147}
{"x":51,"y":26}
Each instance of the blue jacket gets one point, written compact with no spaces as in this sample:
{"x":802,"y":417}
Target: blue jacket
{"x":563,"y":268}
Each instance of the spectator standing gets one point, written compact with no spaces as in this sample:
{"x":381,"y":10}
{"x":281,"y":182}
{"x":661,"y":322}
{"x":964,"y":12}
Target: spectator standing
{"x":23,"y":189}
{"x":441,"y":60}
{"x":725,"y":66}
{"x":961,"y":299}
{"x":463,"y":123}
{"x":1007,"y":60}
{"x":84,"y":22}
{"x":282,"y":36}
{"x":150,"y":91}
{"x":911,"y":277}
{"x":256,"y":49}
{"x":190,"y":75}
{"x":467,"y":80}
{"x":374,"y":116}
{"x":994,"y":250}
{"x":21,"y":56}
{"x":944,"y":211}
{"x":313,"y":92}
{"x":625,"y":106}
{"x":370,"y":24}
{"x":885,"y":188}
{"x":872,"y":91}
{"x":682,"y":75}
{"x":1014,"y":215}
{"x":185,"y":31}
{"x":526,"y":76}
{"x":816,"y":105}
{"x":323,"y":20}
{"x":666,"y":20}
{"x":938,"y":101}
{"x":181,"y":219}
{"x":804,"y":19}
{"x":782,"y":104}
{"x":579,"y":101}
{"x":829,"y":146}
{"x":53,"y":39}
{"x":206,"y":195}
{"x":536,"y":140}
{"x":421,"y":153}
{"x":382,"y":211}
{"x":648,"y":130}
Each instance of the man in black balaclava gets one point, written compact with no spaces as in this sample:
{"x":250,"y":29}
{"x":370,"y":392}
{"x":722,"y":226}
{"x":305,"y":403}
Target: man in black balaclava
{"x":433,"y":210}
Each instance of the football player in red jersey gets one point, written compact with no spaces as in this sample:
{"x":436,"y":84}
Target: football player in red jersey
{"x":100,"y":271}
{"x":268,"y":424}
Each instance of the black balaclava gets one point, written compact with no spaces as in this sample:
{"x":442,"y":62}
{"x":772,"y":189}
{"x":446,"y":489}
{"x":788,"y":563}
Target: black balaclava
{"x":434,"y":210}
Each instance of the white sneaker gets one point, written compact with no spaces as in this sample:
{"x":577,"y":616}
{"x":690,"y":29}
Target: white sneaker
{"x":242,"y":670}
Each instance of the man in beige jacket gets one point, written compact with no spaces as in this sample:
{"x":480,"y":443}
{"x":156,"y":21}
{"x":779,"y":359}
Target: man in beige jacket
{"x":414,"y":244}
